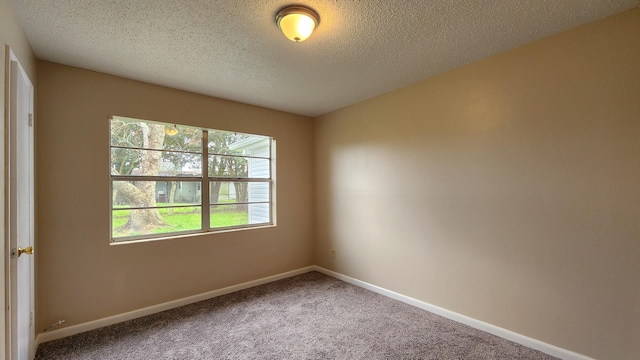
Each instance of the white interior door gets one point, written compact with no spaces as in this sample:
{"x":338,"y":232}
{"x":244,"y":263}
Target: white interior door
{"x":20,"y":213}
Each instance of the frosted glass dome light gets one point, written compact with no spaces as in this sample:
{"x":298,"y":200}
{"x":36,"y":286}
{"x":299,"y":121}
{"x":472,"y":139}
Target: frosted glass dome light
{"x":297,"y":22}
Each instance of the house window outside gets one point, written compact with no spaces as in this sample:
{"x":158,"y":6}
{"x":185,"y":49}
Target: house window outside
{"x":159,"y":188}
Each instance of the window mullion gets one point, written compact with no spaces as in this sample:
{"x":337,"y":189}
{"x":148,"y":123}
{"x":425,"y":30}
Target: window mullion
{"x":242,"y":156}
{"x":156,"y":178}
{"x":159,"y":150}
{"x":237,"y":179}
{"x":206,"y":208}
{"x":272,"y":186}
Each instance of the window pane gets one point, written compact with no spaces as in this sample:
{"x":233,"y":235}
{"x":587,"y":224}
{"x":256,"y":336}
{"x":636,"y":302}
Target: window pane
{"x":225,"y":192}
{"x":227,"y":166}
{"x":232,"y":143}
{"x":155,"y":221}
{"x":252,"y":145}
{"x":259,"y":213}
{"x":259,"y":192}
{"x":229,"y":215}
{"x":125,"y":132}
{"x":138,"y":163}
{"x":129,"y":132}
{"x":186,"y":139}
{"x":239,"y":167}
{"x":219,"y":141}
{"x":136,"y":193}
{"x":258,"y":168}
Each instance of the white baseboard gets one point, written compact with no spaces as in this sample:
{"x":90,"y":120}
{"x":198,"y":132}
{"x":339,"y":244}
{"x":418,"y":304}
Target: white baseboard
{"x":480,"y":325}
{"x":477,"y":324}
{"x":92,"y":325}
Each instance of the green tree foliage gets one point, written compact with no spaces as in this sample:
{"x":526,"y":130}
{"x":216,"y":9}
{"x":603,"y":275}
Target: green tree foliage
{"x":141,"y":194}
{"x":226,"y":166}
{"x":184,"y":144}
{"x":133,"y":144}
{"x":127,"y":134}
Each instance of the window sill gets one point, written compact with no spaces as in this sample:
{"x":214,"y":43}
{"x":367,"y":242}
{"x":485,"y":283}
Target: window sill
{"x":190,"y":235}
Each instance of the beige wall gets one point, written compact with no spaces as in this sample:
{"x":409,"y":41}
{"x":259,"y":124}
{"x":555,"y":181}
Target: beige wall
{"x":507,"y":190}
{"x":80,"y":276}
{"x":11,"y":34}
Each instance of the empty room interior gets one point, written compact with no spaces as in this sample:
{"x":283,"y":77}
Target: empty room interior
{"x":477,"y":159}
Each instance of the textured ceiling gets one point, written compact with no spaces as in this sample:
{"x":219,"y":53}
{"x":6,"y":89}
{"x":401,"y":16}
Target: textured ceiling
{"x":233,"y":49}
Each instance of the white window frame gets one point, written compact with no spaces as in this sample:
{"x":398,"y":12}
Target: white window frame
{"x":204,"y":181}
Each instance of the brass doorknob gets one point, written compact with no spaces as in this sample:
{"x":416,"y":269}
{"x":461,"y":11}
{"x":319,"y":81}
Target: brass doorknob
{"x":28,"y":251}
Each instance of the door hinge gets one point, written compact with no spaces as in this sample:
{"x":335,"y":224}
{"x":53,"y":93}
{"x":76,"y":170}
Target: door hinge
{"x":31,"y":319}
{"x":30,"y":119}
{"x":13,"y":253}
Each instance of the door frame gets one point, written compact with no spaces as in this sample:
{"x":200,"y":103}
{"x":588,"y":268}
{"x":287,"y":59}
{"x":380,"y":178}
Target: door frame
{"x":10,"y":307}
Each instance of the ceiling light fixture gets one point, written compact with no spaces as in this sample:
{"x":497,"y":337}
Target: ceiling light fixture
{"x":171,"y":130}
{"x":297,"y":22}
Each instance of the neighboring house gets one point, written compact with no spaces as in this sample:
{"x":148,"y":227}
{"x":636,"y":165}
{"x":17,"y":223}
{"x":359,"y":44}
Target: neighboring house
{"x":186,"y":192}
{"x":257,"y":168}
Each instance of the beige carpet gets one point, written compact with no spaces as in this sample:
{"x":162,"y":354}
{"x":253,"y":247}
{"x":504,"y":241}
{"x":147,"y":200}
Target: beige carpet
{"x":310,"y":316}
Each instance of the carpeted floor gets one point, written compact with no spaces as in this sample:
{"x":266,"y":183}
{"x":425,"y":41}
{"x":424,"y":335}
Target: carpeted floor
{"x":310,"y":316}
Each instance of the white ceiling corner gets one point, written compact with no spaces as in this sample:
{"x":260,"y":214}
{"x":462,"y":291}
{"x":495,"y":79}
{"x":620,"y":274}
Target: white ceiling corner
{"x":234,"y":50}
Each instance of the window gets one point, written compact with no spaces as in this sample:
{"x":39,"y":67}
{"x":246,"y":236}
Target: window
{"x":169,"y":179}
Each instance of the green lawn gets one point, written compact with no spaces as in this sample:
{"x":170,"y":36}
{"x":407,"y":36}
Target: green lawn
{"x":184,"y":219}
